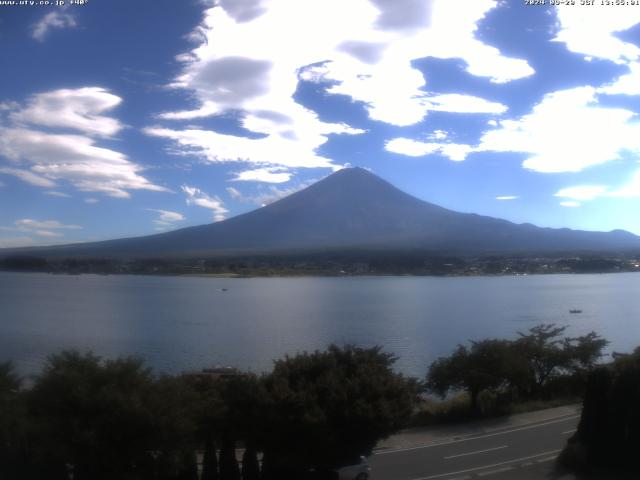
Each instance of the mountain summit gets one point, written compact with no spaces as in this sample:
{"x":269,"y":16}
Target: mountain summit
{"x":353,"y":208}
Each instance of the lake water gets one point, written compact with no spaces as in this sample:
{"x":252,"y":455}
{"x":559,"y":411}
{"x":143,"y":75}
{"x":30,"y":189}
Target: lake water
{"x":184,"y":323}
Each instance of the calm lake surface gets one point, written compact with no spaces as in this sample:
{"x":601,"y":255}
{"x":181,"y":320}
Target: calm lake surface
{"x":184,"y":323}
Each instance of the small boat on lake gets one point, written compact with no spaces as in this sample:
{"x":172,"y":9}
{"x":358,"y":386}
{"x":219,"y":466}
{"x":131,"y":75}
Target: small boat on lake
{"x":575,"y":310}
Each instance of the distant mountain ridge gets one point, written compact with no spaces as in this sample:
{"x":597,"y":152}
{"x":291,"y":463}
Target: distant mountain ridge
{"x":351,"y":208}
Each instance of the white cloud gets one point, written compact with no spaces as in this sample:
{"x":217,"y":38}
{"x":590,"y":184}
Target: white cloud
{"x":43,"y":158}
{"x":169,"y":216}
{"x":392,"y":90}
{"x":91,"y":200}
{"x":48,"y":224}
{"x":582,"y":192}
{"x":410,"y":147}
{"x":45,"y":228}
{"x":507,"y":197}
{"x":47,"y":233}
{"x":269,"y":194}
{"x":458,"y":103}
{"x":270,"y":150}
{"x":455,"y":151}
{"x":606,"y":132}
{"x":26,"y":175}
{"x":53,"y":20}
{"x":596,"y":134}
{"x":239,"y":65}
{"x":628,"y":84}
{"x":570,"y":203}
{"x":629,"y":189}
{"x":78,"y":109}
{"x":166,"y":218}
{"x":414,"y":148}
{"x":234,"y":193}
{"x":55,"y":193}
{"x":195,"y":196}
{"x":15,"y":242}
{"x":267,"y":175}
{"x":566,"y":132}
{"x":438,"y":135}
{"x":591,"y":31}
{"x":10,"y":105}
{"x":244,"y":10}
{"x":73,"y":158}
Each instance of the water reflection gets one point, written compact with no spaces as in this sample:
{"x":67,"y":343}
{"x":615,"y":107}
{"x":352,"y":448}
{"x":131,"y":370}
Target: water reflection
{"x":179,"y":323}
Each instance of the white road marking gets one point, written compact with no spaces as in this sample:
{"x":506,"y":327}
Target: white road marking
{"x":477,"y":451}
{"x":547,"y":459}
{"x":493,"y":472}
{"x":569,"y":432}
{"x":441,"y":475}
{"x":449,"y":442}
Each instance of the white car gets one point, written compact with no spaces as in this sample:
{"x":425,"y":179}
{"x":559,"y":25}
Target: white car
{"x":360,"y":471}
{"x":352,"y":471}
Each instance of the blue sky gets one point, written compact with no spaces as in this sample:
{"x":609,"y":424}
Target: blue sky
{"x":122,"y":118}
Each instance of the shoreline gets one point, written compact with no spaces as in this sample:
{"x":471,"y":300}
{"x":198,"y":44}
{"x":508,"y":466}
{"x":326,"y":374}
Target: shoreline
{"x":312,"y":275}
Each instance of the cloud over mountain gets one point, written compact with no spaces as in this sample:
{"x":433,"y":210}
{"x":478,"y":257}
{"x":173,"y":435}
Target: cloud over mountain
{"x":67,"y":150}
{"x":251,"y":57}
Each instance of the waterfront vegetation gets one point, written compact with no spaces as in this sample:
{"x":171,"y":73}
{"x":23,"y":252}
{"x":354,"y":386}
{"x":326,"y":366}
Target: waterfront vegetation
{"x":334,"y":262}
{"x":607,"y":441}
{"x":540,"y":366}
{"x":114,"y":419}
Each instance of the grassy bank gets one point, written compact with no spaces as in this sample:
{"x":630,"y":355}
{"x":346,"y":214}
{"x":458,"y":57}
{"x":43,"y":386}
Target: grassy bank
{"x":457,"y":409}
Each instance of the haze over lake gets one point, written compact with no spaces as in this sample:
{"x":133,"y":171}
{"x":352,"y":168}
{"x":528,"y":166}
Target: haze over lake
{"x":184,"y":323}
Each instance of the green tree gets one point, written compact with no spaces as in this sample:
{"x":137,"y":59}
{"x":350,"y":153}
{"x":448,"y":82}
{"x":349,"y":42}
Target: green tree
{"x":173,"y":404}
{"x":608,"y":434}
{"x":92,"y":415}
{"x":12,"y":423}
{"x":110,"y":419}
{"x":229,"y":468}
{"x":486,"y":365}
{"x":549,"y":356}
{"x":585,"y":351}
{"x":543,"y":349}
{"x":229,"y":410}
{"x":524,"y":367}
{"x":250,"y":465}
{"x":210,"y":461}
{"x":9,"y":380}
{"x":330,"y":407}
{"x":187,"y":468}
{"x":243,"y":399}
{"x":208,"y":411}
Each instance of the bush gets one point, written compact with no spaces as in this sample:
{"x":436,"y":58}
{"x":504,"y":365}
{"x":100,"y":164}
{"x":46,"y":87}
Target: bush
{"x":329,"y":407}
{"x":540,"y":365}
{"x":608,"y":434}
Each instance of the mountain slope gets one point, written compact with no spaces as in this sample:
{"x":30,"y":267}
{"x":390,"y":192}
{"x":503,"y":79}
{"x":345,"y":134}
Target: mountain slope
{"x":354,"y":208}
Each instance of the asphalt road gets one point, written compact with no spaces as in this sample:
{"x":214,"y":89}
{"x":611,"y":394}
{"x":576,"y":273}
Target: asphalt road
{"x":526,"y":451}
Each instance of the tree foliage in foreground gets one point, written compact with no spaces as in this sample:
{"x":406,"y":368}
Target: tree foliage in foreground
{"x":485,"y":365}
{"x":526,"y":367}
{"x":608,"y":434}
{"x":114,"y":419}
{"x":101,"y":419}
{"x":12,"y":422}
{"x":327,"y":408}
{"x":92,"y":417}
